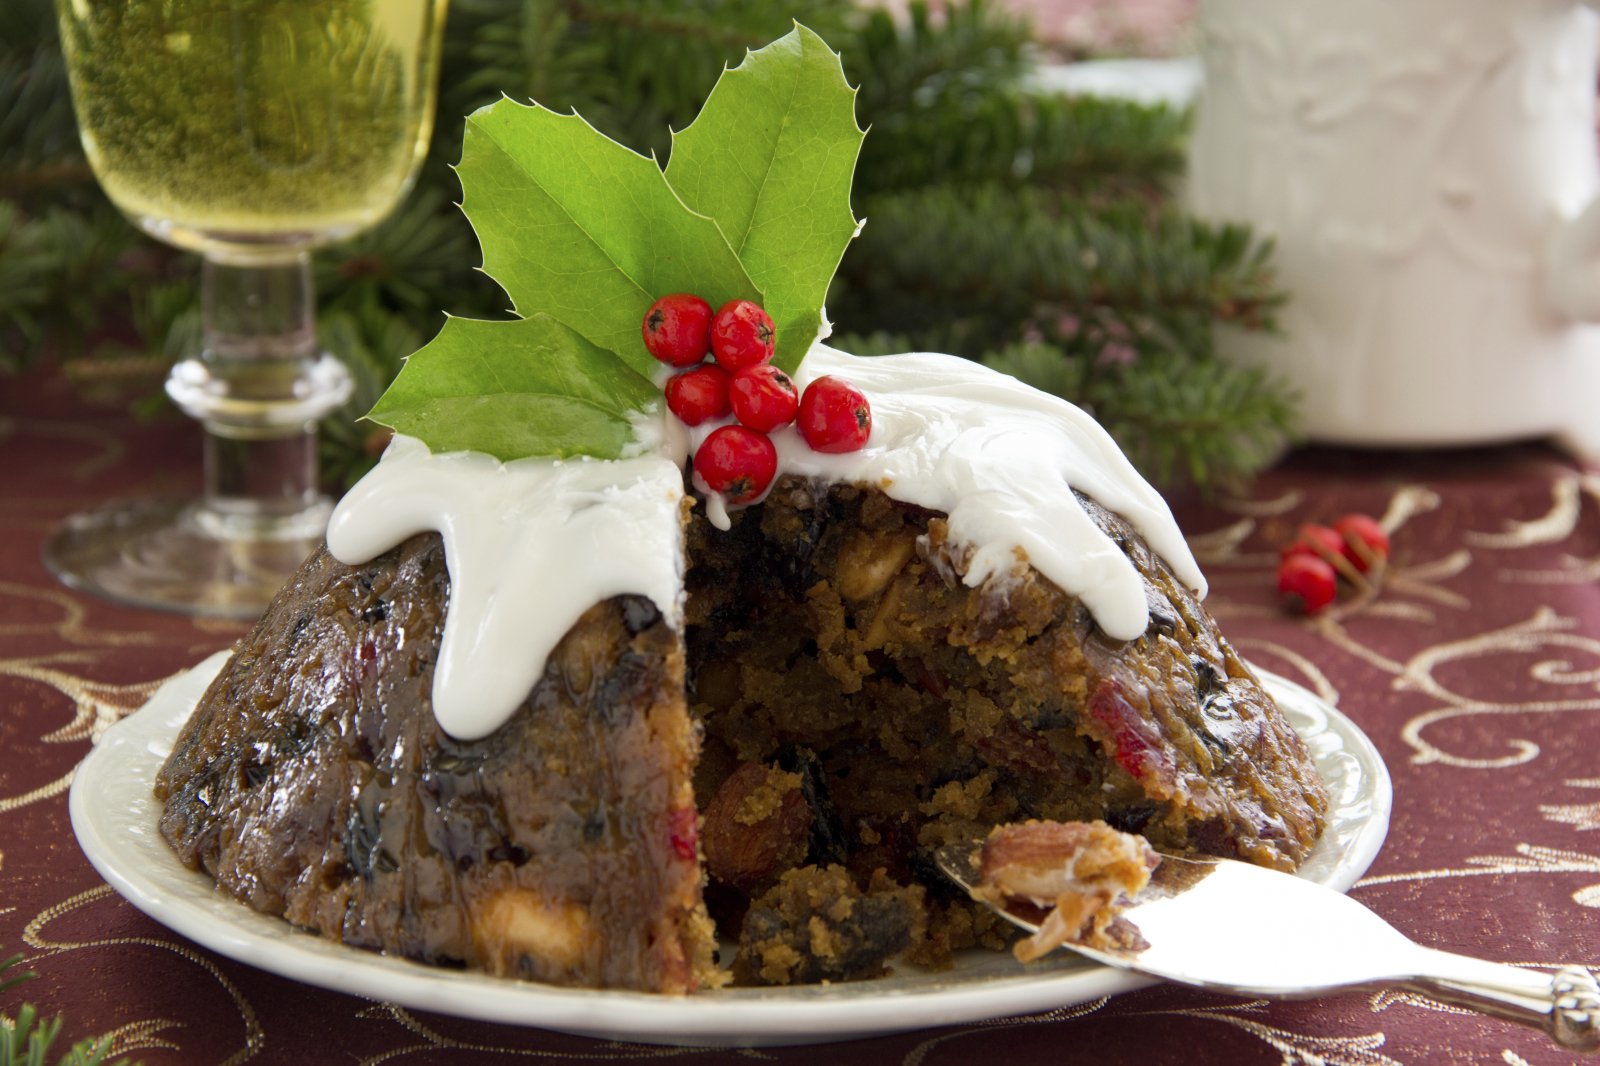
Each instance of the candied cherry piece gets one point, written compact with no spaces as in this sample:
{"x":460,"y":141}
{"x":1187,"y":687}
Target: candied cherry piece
{"x":834,"y":416}
{"x":738,"y":462}
{"x":763,"y":397}
{"x":1362,"y":541}
{"x":1306,"y":584}
{"x":742,"y":335}
{"x":677,"y":329}
{"x":1136,"y":745}
{"x":683,"y":832}
{"x":699,"y":395}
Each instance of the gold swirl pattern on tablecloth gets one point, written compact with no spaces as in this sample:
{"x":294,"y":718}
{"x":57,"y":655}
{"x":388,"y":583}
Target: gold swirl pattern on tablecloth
{"x":1581,"y":816}
{"x":96,"y":706}
{"x":141,"y":1035}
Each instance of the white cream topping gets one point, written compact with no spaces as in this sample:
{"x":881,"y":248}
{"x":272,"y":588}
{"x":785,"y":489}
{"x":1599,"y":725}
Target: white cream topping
{"x":1001,"y":459}
{"x":532,"y":544}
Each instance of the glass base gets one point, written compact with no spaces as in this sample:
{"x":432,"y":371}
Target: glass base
{"x":177,"y":556}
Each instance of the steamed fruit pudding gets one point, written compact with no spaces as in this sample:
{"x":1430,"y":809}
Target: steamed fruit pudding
{"x":625,"y":648}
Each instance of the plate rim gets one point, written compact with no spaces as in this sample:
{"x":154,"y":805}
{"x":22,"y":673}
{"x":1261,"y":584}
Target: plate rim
{"x":129,"y":856}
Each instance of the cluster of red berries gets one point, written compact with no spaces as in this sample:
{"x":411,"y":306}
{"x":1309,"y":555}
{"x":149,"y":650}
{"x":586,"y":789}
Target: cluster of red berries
{"x":739,"y":379}
{"x":1354,"y":548}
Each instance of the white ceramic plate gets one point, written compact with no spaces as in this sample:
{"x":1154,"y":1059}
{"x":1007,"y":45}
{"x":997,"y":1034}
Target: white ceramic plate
{"x":114,"y":815}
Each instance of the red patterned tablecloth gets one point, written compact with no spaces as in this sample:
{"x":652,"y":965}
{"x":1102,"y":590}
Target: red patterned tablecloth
{"x":1476,"y":670}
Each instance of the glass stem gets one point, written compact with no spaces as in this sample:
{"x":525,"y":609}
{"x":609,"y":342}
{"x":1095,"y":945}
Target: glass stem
{"x":258,"y":387}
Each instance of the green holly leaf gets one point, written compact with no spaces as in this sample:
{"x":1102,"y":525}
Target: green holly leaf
{"x":513,"y":389}
{"x":770,"y":157}
{"x":584,"y":235}
{"x":578,"y":227}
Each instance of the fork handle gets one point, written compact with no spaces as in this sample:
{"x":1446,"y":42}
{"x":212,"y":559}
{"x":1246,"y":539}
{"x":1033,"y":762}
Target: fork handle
{"x":1565,"y":1004}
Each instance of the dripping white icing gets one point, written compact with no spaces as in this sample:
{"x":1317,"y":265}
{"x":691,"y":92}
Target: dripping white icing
{"x":533,"y":544}
{"x":530,"y":546}
{"x":1001,"y":459}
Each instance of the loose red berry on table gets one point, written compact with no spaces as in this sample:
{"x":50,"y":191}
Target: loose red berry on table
{"x":1362,"y":541}
{"x":763,"y":398}
{"x":742,"y":335}
{"x":677,"y":329}
{"x":1306,"y":584}
{"x":699,"y":395}
{"x":1323,"y":542}
{"x":834,"y":416}
{"x":738,"y":462}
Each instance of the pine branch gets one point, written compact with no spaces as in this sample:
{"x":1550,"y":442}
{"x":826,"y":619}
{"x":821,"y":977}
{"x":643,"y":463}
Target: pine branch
{"x":722,"y":25}
{"x":26,"y":1039}
{"x":9,"y":978}
{"x":986,"y":264}
{"x":38,"y":141}
{"x":420,"y":260}
{"x":949,"y":101}
{"x":61,"y":274}
{"x":632,"y":68}
{"x":1091,"y":147}
{"x":926,"y":64}
{"x":524,"y":49}
{"x":1208,"y":423}
{"x":373,"y":343}
{"x":880,"y":342}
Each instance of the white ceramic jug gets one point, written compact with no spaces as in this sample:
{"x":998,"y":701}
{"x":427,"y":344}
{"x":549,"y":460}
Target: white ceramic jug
{"x":1430,"y":173}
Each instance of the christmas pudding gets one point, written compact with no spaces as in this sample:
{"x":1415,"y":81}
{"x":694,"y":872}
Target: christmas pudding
{"x":546,"y":707}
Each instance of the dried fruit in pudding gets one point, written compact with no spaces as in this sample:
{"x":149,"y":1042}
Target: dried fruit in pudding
{"x":1083,"y":873}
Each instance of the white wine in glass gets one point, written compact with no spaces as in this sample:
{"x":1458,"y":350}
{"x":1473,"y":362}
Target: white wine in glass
{"x":249,"y":131}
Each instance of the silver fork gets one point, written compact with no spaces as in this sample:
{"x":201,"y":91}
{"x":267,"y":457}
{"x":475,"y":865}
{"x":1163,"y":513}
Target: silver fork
{"x":1234,"y":927}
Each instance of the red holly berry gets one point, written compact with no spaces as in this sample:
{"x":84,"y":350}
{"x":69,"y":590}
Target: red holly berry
{"x":677,"y":329}
{"x":699,"y":395}
{"x":737,"y":462}
{"x":834,"y":416}
{"x":1318,"y":541}
{"x":763,"y":397}
{"x":742,"y":335}
{"x":1306,"y":584}
{"x":1362,"y":541}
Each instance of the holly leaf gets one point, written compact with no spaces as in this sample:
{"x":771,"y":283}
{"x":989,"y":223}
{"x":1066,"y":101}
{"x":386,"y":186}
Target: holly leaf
{"x":584,"y":234}
{"x":770,"y":157}
{"x":576,"y":226}
{"x":523,"y":387}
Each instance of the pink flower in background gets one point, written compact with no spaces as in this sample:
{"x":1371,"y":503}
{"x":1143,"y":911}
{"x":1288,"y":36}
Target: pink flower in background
{"x":1098,"y":27}
{"x":1140,"y":27}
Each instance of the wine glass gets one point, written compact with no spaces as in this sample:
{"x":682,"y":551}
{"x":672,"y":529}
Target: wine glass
{"x":249,"y":131}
